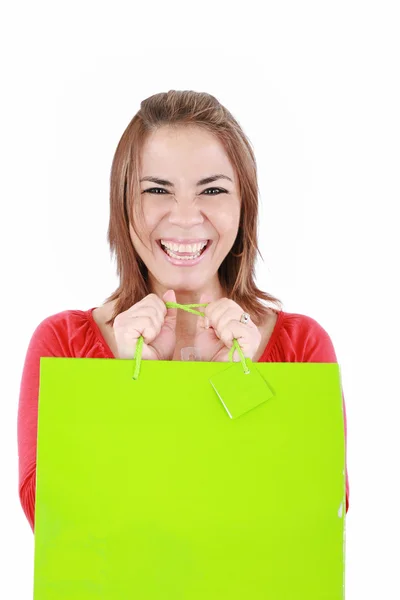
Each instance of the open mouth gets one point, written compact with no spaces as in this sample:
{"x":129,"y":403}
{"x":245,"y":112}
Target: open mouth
{"x":175,"y":252}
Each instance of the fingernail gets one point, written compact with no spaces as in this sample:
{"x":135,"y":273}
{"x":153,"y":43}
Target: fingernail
{"x":206,"y":322}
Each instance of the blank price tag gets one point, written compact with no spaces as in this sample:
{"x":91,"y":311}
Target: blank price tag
{"x":240,"y":392}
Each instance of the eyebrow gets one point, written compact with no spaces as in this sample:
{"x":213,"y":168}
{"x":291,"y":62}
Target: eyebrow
{"x":201,"y":182}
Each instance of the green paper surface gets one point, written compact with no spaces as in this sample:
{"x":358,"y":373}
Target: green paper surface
{"x":147,"y":489}
{"x":240,"y":391}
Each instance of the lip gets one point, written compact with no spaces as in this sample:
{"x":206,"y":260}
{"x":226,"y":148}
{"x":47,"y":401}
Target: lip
{"x":184,"y":241}
{"x":184,"y":263}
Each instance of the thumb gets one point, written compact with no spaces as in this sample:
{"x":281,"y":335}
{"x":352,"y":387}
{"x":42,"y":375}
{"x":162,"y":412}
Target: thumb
{"x":170,"y":317}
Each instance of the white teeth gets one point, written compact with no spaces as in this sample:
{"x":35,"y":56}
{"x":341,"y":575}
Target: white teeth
{"x":173,"y":255}
{"x":192,"y":248}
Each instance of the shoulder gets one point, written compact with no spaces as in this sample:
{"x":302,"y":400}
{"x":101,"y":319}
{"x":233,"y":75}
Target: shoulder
{"x":68,"y":333}
{"x":300,"y":338}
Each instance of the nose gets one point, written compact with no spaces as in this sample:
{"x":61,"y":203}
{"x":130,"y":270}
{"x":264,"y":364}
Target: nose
{"x":185,"y":214}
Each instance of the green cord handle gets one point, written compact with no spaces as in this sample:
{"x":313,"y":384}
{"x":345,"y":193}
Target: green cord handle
{"x":190,"y":309}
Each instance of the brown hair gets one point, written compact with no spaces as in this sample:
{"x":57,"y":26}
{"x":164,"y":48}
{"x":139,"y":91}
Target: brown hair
{"x":175,"y":109}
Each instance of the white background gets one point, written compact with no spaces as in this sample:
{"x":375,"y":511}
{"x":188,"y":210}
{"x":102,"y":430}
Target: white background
{"x":315,"y":86}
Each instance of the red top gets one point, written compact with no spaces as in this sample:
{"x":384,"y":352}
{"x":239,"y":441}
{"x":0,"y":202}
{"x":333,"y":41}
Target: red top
{"x":74,"y":333}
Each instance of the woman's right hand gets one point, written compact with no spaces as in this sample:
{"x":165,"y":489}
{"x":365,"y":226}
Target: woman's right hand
{"x":151,"y":319}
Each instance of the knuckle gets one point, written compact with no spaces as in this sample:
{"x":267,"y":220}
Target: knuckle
{"x":119,"y":321}
{"x":147,"y":322}
{"x":157,"y":302}
{"x":149,"y":334}
{"x":226,"y":337}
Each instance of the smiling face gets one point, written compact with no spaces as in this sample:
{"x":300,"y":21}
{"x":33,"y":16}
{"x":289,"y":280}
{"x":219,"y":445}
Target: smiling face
{"x":191,"y":208}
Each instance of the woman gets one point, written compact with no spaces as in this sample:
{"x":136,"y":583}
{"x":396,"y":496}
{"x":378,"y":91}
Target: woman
{"x":183,"y":226}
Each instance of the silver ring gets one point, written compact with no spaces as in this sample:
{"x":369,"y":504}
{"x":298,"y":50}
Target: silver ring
{"x":245,"y":318}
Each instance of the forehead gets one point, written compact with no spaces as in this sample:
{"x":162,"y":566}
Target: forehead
{"x":188,"y":151}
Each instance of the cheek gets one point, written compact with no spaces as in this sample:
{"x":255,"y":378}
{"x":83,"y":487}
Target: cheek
{"x":152,"y":215}
{"x":225,"y":220}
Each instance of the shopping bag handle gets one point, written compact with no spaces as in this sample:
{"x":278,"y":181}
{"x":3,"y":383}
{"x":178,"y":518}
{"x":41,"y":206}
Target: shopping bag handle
{"x":188,"y":308}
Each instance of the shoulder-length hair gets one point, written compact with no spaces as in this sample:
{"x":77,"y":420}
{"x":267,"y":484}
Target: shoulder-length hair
{"x":176,"y":109}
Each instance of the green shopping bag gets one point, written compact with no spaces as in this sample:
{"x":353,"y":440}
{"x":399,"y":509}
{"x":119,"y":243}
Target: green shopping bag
{"x":189,"y":480}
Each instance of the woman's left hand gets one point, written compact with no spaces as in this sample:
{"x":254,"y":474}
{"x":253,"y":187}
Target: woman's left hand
{"x":215,"y":341}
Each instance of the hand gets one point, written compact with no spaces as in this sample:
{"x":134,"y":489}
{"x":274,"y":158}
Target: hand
{"x":216,"y":341}
{"x":151,"y":319}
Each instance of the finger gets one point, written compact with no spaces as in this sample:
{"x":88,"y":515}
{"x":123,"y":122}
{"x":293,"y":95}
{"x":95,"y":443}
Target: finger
{"x":171,"y":314}
{"x":150,"y":313}
{"x":147,"y":310}
{"x":236,"y":330}
{"x":127,"y":336}
{"x":232,"y":314}
{"x":220,"y":308}
{"x":145,"y":326}
{"x":204,"y":322}
{"x":152,"y":302}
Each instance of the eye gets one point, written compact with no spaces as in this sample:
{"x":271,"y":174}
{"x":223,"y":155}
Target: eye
{"x":219,"y":190}
{"x":153,"y":190}
{"x":157,"y":190}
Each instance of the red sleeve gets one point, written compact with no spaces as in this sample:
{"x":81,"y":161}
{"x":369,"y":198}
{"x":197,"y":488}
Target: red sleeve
{"x":44,"y":342}
{"x":319,"y":348}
